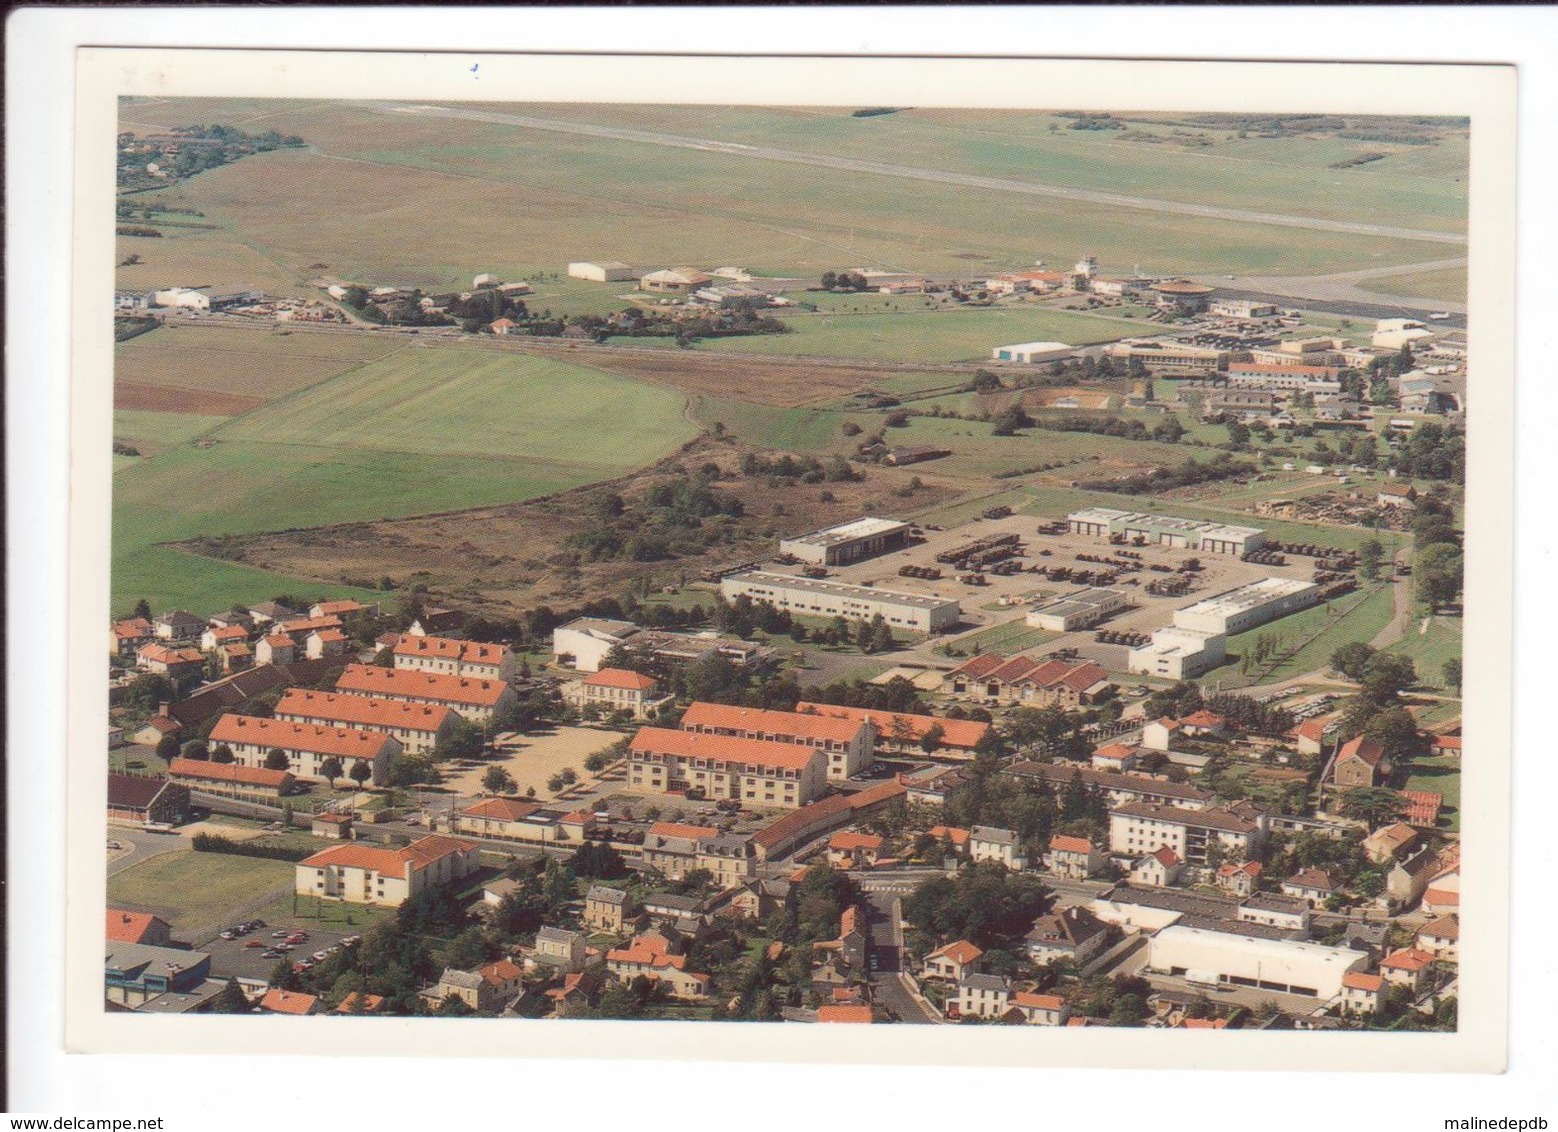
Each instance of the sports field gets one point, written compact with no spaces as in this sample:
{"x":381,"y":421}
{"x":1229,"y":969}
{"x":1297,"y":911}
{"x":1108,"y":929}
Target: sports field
{"x":195,"y":891}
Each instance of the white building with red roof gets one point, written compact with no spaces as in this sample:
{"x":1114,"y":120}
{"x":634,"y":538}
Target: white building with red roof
{"x":1360,"y":762}
{"x":1040,"y":1009}
{"x":900,"y":730}
{"x":1360,"y":993}
{"x":451,"y":657}
{"x":418,"y":727}
{"x":1407,"y":967}
{"x":953,"y":961}
{"x":471,"y":697}
{"x":1074,"y":857}
{"x":233,"y":780}
{"x":305,"y":745}
{"x":1118,"y":757}
{"x":362,"y":874}
{"x":752,"y":771}
{"x":278,"y":1001}
{"x":1160,"y":868}
{"x":620,"y":689}
{"x":846,"y":743}
{"x":849,"y":848}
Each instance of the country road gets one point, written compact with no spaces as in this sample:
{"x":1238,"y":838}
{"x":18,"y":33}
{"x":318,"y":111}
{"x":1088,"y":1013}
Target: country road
{"x":940,"y":176}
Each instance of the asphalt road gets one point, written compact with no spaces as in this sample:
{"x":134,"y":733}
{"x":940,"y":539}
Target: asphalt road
{"x":940,"y":176}
{"x":143,"y":845}
{"x":888,"y":983}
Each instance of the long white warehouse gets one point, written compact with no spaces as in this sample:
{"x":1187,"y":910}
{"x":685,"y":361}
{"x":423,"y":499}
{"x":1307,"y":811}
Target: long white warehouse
{"x":1178,"y":654}
{"x":1080,"y":610}
{"x":847,"y":542}
{"x":1166,"y":530}
{"x":1287,"y":966}
{"x":921,"y":612}
{"x":1236,"y":610}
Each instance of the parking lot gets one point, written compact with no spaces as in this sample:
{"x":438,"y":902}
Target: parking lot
{"x":237,"y":957}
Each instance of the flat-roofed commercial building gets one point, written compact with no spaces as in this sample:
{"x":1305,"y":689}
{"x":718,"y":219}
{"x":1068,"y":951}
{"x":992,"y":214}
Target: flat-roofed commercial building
{"x":1286,"y":966}
{"x":1178,"y":654}
{"x":1034,"y":353}
{"x":1170,"y":355}
{"x":753,"y":771}
{"x":809,"y":597}
{"x":1080,"y":610}
{"x":847,"y":542}
{"x":1167,"y":530}
{"x":1236,"y":610}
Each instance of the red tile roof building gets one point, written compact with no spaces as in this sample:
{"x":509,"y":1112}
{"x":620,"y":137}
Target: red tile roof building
{"x":899,"y":729}
{"x":451,"y":657}
{"x":1359,"y":763}
{"x":418,"y":727}
{"x":832,"y":1013}
{"x":361,"y":874}
{"x":753,"y":771}
{"x":1422,"y":808}
{"x":306,"y":745}
{"x":137,"y":927}
{"x":847,"y":743}
{"x":475,"y":698}
{"x":278,"y":1001}
{"x":232,"y":779}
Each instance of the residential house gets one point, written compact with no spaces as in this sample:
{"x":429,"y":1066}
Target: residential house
{"x":127,"y":636}
{"x":757,"y":898}
{"x":268,"y":612}
{"x":1115,"y":757}
{"x":233,"y":780}
{"x":605,"y":909}
{"x":641,"y":958}
{"x":620,"y":689}
{"x":1389,"y":842}
{"x":179,"y":626}
{"x":419,"y":728}
{"x":278,"y":1001}
{"x":1239,"y":879}
{"x":1441,"y":745}
{"x":577,"y":993}
{"x":439,"y":623}
{"x":674,"y":909}
{"x":1138,"y":827}
{"x":216,"y":636}
{"x":473,"y":698}
{"x":136,"y":972}
{"x":1442,"y":894}
{"x":508,"y":819}
{"x":1313,"y":886}
{"x":1441,"y":938}
{"x":899,"y":731}
{"x":360,"y":1002}
{"x":933,"y":785}
{"x":485,"y":990}
{"x":1360,"y":762}
{"x":558,"y":947}
{"x":342,"y":608}
{"x":1408,"y":878}
{"x":142,"y":798}
{"x":1408,"y":967}
{"x":988,"y":843}
{"x":854,"y":942}
{"x":177,"y":664}
{"x":755,"y":771}
{"x":306,"y":746}
{"x":1160,"y":868}
{"x":1286,"y":912}
{"x":850,"y":849}
{"x":1040,"y":1009}
{"x":1361,"y":992}
{"x":1312,"y":735}
{"x":955,"y":839}
{"x":953,"y":962}
{"x":321,"y":643}
{"x":450,"y":657}
{"x":1074,"y":857}
{"x":1073,"y":934}
{"x":275,"y":648}
{"x":983,"y":996}
{"x":1402,"y":495}
{"x":1203,"y":722}
{"x":360,"y":874}
{"x":1423,"y":808}
{"x":838,"y":1013}
{"x":331,"y":827}
{"x":847,"y":744}
{"x":1160,"y":733}
{"x":137,"y":927}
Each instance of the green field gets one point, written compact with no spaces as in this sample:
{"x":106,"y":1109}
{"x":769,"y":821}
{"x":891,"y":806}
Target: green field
{"x":472,"y":402}
{"x":1010,"y":637}
{"x":153,"y":432}
{"x":1439,"y":776}
{"x":933,"y":336}
{"x":195,"y":892}
{"x":1429,"y":650}
{"x":1325,"y":628}
{"x":422,"y":431}
{"x":793,"y":430}
{"x":1449,"y":285}
{"x":279,"y":216}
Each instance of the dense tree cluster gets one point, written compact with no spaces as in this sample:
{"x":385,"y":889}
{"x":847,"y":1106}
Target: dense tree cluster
{"x":1220,"y":467}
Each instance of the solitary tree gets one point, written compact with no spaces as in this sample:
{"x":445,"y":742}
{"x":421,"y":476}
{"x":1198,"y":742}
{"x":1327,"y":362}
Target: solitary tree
{"x":276,"y":759}
{"x":143,"y":609}
{"x":498,"y":780}
{"x":168,"y":747}
{"x":231,"y":1000}
{"x":330,"y":770}
{"x":360,"y":772}
{"x":223,"y":754}
{"x":1452,"y":672}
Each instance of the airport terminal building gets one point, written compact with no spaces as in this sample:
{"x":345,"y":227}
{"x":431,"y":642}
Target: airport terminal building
{"x":847,"y":542}
{"x":1166,"y":530}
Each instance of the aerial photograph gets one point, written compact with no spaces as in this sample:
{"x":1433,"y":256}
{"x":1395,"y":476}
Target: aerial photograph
{"x":796,"y":564}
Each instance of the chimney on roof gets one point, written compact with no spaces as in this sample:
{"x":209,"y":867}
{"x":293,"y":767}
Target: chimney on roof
{"x":162,"y":707}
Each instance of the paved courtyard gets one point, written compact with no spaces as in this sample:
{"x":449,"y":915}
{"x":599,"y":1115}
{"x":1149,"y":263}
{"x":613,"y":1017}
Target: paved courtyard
{"x":532,"y":759}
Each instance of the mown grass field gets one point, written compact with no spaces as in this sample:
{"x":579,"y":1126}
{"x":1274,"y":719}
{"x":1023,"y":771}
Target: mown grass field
{"x":470,"y":402}
{"x":1356,"y":617}
{"x":422,"y":431}
{"x":935,"y":336}
{"x":1430,"y":650}
{"x":564,"y":197}
{"x":194,"y":891}
{"x":1007,"y":638}
{"x":1447,"y":285}
{"x":151,"y":433}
